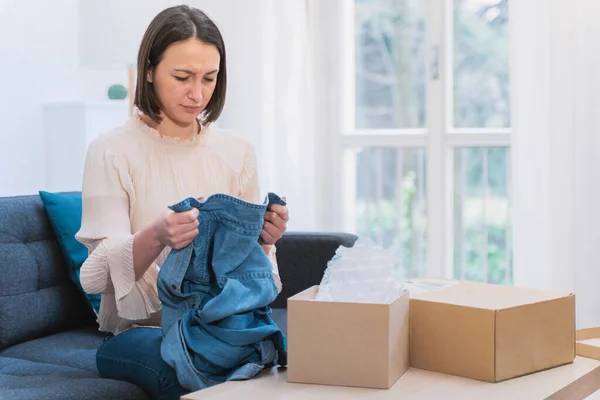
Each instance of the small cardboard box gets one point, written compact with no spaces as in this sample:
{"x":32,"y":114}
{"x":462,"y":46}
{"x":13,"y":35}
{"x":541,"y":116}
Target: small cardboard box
{"x":347,"y":344}
{"x":489,"y":332}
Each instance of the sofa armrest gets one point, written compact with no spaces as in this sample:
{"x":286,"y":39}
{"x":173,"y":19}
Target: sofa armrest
{"x":302,"y":258}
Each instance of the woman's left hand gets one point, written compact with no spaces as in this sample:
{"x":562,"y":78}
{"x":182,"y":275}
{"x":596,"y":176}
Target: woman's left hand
{"x":275,"y":225}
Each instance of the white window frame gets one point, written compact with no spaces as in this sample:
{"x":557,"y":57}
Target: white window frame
{"x":439,"y":138}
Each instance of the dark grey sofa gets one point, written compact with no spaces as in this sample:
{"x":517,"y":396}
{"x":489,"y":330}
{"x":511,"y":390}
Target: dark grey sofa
{"x":48,"y":335}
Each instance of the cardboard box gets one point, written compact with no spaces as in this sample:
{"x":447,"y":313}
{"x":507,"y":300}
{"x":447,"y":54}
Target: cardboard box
{"x":588,"y":343}
{"x":489,"y":332}
{"x":347,"y":344}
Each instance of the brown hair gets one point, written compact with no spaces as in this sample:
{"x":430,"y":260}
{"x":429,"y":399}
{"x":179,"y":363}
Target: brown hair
{"x":172,"y":25}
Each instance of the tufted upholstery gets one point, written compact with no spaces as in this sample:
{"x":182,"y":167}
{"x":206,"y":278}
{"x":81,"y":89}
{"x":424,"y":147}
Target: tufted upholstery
{"x":36,"y":297}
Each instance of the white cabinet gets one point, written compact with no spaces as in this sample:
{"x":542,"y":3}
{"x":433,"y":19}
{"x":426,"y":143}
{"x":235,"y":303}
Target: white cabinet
{"x":68,"y":130}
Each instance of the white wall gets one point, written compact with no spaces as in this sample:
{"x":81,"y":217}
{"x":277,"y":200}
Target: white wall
{"x":38,"y":47}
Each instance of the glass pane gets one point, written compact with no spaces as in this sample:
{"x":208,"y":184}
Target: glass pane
{"x":481,"y":81}
{"x":390,"y":63}
{"x":482,"y":229}
{"x":389,"y":204}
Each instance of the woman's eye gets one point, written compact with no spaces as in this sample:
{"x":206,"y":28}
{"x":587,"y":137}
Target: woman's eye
{"x":209,"y":79}
{"x":182,"y":78}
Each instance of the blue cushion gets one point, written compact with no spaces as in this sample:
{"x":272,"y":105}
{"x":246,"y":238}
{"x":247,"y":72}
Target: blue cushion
{"x":64,"y":213}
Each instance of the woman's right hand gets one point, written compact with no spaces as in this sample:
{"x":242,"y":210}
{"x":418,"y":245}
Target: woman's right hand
{"x":177,"y":229}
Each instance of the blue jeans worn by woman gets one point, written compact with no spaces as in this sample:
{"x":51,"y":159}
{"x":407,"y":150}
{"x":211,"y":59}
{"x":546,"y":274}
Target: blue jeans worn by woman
{"x":134,"y":356}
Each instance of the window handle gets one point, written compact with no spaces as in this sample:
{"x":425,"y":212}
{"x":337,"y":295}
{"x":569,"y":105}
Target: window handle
{"x":434,"y":63}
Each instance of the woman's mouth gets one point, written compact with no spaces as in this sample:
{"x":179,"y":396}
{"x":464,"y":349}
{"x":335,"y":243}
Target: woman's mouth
{"x":192,"y":109}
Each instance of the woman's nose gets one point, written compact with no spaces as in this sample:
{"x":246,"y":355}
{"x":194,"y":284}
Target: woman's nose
{"x":196,"y":92}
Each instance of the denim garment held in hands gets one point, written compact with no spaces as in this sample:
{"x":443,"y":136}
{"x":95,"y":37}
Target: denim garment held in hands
{"x":215,"y":296}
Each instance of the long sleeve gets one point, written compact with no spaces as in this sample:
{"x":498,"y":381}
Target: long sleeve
{"x":251,"y":193}
{"x":106,"y":232}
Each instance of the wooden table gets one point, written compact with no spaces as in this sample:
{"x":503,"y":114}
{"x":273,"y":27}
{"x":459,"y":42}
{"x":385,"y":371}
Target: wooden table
{"x":570,"y":382}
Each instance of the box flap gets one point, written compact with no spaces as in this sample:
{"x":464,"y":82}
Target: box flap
{"x":588,"y":333}
{"x":588,"y":343}
{"x":480,"y":295}
{"x":308,"y":294}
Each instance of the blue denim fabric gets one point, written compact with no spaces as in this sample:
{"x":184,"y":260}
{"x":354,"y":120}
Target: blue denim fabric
{"x":215,"y":296}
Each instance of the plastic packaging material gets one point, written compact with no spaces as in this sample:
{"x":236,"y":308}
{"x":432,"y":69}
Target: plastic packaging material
{"x":363,"y":273}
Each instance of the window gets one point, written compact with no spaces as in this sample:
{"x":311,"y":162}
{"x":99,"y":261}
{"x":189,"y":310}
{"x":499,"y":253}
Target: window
{"x":426,"y":134}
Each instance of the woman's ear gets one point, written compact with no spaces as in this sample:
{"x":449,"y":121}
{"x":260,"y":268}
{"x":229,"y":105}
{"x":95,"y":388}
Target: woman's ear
{"x":150,"y":73}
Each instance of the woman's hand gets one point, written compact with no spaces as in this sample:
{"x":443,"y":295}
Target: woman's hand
{"x":275,"y":225}
{"x":177,"y":230}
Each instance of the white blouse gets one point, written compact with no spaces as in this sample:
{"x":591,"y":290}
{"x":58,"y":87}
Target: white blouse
{"x":132,"y":174}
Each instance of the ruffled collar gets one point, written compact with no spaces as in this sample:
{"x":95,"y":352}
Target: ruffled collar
{"x":199,"y":139}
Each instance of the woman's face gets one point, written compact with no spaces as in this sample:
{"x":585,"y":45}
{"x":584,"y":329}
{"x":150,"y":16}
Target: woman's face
{"x":185,"y":79}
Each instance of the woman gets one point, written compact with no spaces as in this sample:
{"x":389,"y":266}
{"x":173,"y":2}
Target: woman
{"x":166,"y":152}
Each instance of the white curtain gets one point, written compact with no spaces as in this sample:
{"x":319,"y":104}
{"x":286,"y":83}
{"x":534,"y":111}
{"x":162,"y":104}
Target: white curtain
{"x":555,"y":60}
{"x":289,"y":132}
{"x":270,"y":94}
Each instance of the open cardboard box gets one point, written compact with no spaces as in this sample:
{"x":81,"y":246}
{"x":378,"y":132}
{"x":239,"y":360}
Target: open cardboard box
{"x":347,"y":344}
{"x":588,"y":343}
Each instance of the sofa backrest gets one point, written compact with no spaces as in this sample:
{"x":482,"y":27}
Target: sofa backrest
{"x":37,"y":297}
